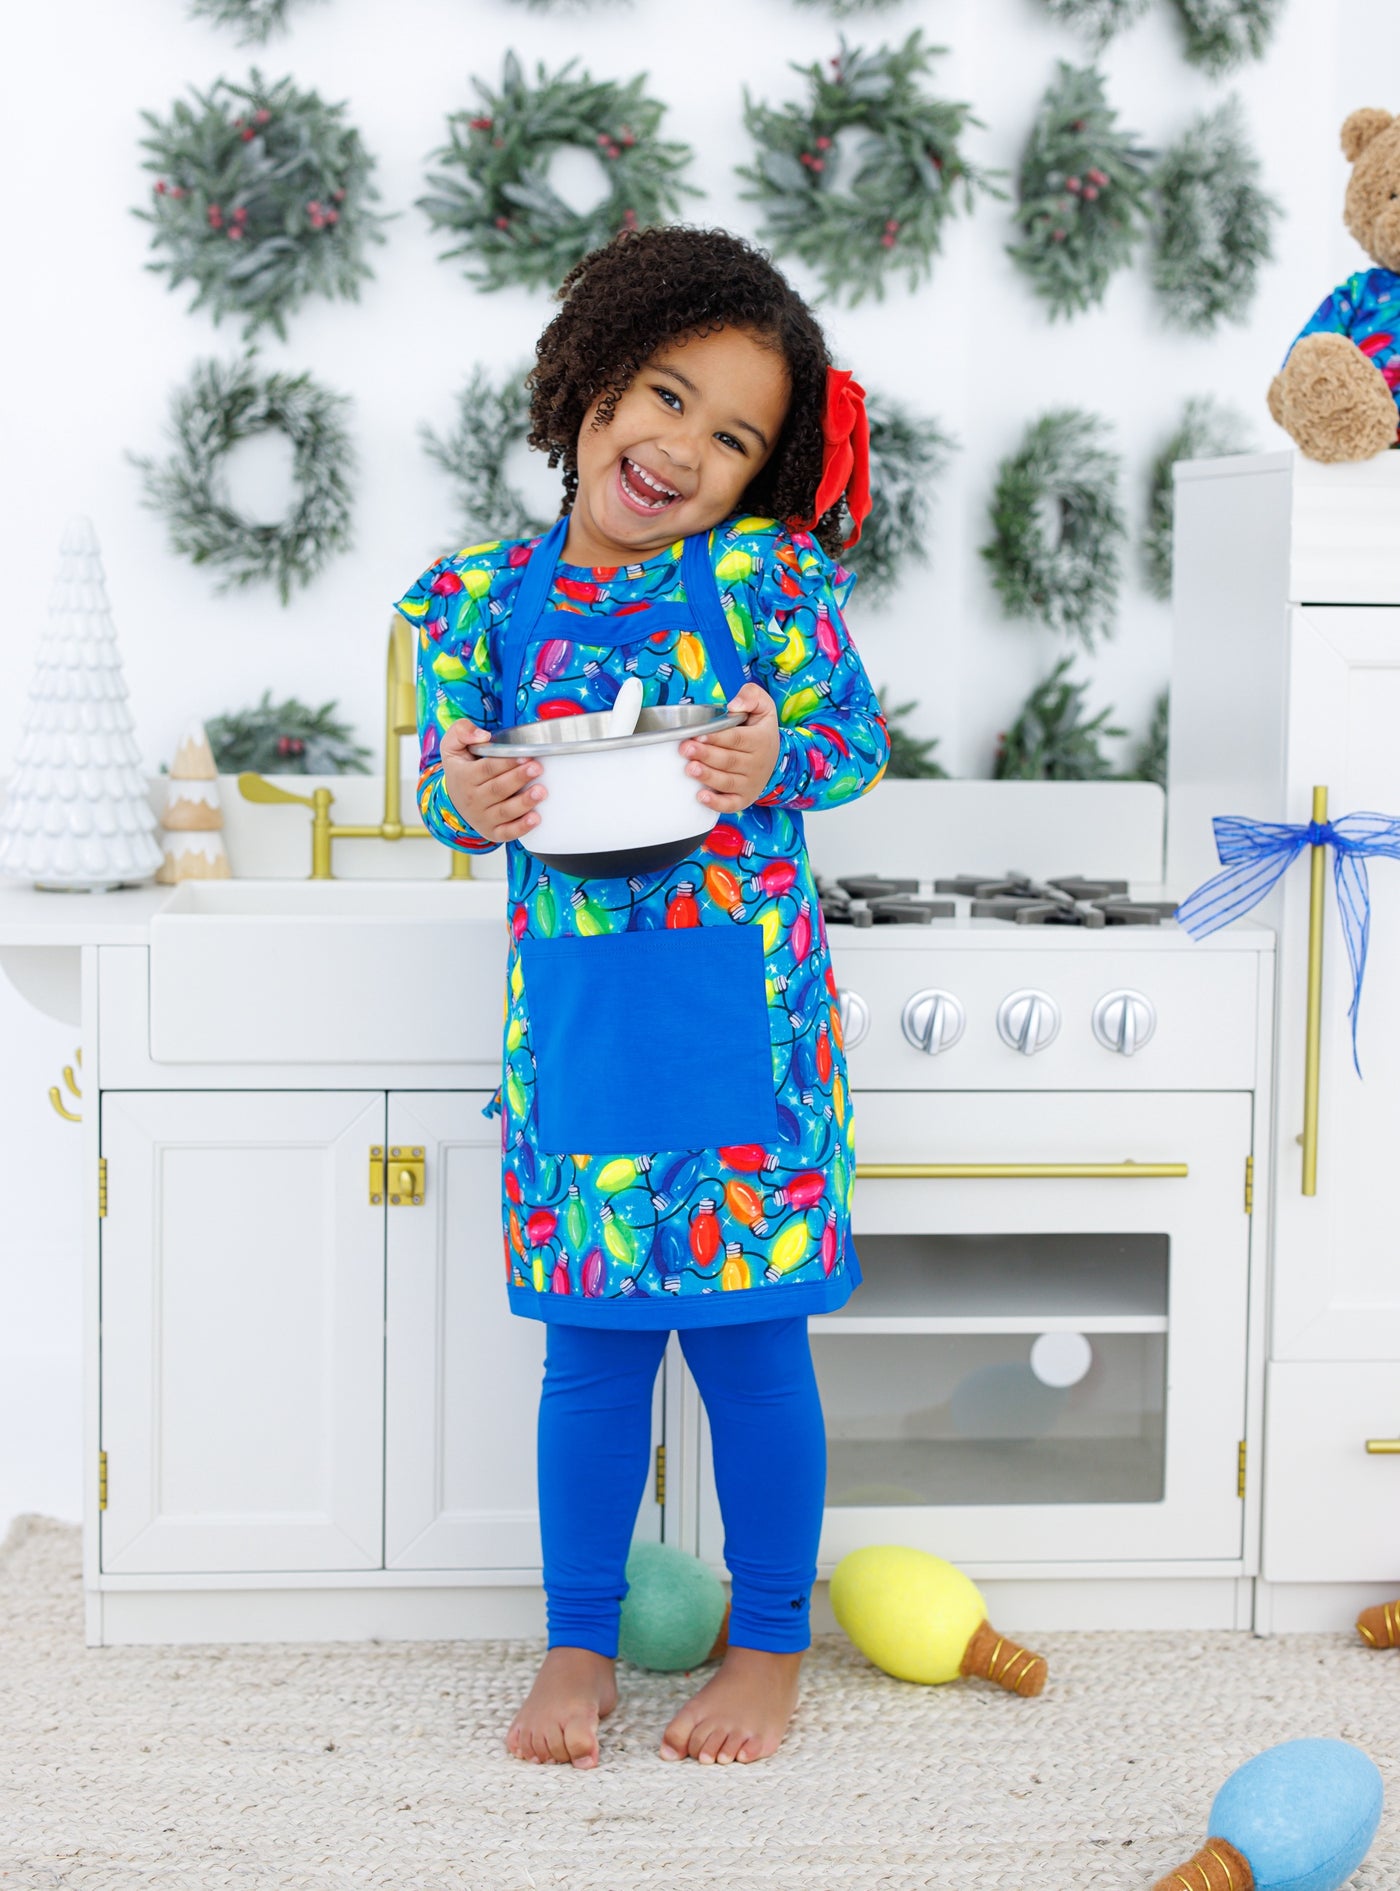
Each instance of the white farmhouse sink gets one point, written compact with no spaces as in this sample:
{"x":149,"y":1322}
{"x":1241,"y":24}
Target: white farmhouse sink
{"x":328,"y":971}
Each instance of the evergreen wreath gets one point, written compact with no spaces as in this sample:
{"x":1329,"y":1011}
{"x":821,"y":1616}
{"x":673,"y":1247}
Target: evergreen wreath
{"x":1224,"y":33}
{"x":254,"y":20}
{"x":226,"y":403}
{"x":261,"y":198}
{"x":907,"y":170}
{"x":1205,"y":431}
{"x":1098,"y":19}
{"x":491,"y":418}
{"x":1057,"y":526}
{"x":493,"y":191}
{"x":1213,"y":225}
{"x":1082,"y":193}
{"x":847,"y":9}
{"x":286,"y":738}
{"x":1052,"y":739}
{"x":911,"y":758}
{"x":906,"y":456}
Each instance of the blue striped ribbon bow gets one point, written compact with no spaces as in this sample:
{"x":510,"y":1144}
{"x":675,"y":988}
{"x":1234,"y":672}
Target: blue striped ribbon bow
{"x":1256,"y":854}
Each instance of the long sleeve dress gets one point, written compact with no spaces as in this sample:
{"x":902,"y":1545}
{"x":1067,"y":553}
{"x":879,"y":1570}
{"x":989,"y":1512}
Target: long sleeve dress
{"x":669,"y":1236}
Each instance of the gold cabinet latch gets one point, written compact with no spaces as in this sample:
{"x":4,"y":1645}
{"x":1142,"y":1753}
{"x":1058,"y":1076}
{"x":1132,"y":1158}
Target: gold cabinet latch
{"x":401,"y":1175}
{"x":661,"y":1474}
{"x":1240,"y":1468}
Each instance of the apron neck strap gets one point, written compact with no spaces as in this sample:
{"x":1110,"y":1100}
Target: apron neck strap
{"x":524,"y":614}
{"x":702,"y":594}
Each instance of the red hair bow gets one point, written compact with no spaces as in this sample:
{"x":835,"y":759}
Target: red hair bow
{"x":846,"y":457}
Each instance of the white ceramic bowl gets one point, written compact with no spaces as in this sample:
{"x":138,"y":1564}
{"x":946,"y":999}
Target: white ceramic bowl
{"x":621,"y":804}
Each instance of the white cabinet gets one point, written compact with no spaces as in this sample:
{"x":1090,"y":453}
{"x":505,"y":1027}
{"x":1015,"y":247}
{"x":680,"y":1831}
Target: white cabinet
{"x":242,"y":1332}
{"x":1286,"y":677}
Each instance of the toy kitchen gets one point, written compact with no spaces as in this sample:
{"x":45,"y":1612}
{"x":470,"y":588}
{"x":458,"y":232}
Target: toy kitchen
{"x":1127,"y":1347}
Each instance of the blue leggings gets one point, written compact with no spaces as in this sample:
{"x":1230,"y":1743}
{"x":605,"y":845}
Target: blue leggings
{"x":760,"y":1393}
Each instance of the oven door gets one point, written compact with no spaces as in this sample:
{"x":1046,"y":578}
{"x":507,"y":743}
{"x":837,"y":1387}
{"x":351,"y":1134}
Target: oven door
{"x":1041,"y":1365}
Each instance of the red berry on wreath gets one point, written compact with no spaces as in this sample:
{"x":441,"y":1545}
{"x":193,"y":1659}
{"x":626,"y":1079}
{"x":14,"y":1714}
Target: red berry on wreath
{"x":332,"y":216}
{"x":247,"y":133}
{"x":235,"y":229}
{"x":1073,"y":183}
{"x":160,"y":185}
{"x":502,"y":223}
{"x":262,"y":116}
{"x":339,"y":196}
{"x":1090,"y":193}
{"x":823,"y":142}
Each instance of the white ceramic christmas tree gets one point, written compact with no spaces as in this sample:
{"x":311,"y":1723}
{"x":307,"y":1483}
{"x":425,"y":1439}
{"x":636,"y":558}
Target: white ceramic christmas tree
{"x":193,"y":816}
{"x":77,"y":813}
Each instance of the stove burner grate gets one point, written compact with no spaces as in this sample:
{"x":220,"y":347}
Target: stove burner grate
{"x":1073,"y":900}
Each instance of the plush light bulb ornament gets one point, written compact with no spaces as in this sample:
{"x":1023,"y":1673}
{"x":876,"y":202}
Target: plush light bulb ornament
{"x":921,"y":1619}
{"x":1297,"y":1817}
{"x":674,"y":1615}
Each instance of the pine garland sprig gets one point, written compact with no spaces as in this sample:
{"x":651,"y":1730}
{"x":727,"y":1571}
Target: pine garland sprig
{"x":907,"y":454}
{"x":1221,"y":34}
{"x":1098,"y":20}
{"x":1214,"y":223}
{"x":253,"y":20}
{"x":1150,"y":761}
{"x":261,"y":199}
{"x":286,"y":738}
{"x":1082,"y":193}
{"x":851,"y":9}
{"x":491,"y":418}
{"x":221,"y":405}
{"x":906,"y":176}
{"x":1058,"y":525}
{"x":1052,"y":739}
{"x":493,"y":193}
{"x":911,"y":757}
{"x":1206,"y":430}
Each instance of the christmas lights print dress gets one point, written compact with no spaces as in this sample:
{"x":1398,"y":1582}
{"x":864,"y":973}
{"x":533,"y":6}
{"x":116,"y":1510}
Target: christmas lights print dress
{"x":678,"y":1141}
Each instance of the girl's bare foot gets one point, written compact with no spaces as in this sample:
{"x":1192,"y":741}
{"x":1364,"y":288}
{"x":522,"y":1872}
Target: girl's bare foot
{"x":573,"y":1690}
{"x":741,"y":1713}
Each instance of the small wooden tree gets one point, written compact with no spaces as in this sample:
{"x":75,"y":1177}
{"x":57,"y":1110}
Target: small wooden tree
{"x":193,"y":815}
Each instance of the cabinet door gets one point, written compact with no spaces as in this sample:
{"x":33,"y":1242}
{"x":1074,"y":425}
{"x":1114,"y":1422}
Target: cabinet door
{"x":1336,"y":1283}
{"x":242,"y":1325}
{"x":1332,"y":1508}
{"x":463,"y":1371}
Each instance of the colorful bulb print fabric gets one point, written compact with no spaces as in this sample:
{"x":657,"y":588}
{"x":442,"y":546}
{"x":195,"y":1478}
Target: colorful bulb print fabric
{"x":657,"y":1236}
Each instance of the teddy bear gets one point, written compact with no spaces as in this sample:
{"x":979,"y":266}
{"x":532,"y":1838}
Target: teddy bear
{"x":1338,"y":390}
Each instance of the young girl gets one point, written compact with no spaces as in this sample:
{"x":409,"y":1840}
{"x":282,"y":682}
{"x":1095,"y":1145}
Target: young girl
{"x":677,"y":1135}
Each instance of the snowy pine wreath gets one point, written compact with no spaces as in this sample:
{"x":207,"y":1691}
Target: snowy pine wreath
{"x":1058,"y":525}
{"x":1052,"y":739}
{"x":1224,"y":33}
{"x":493,"y":191}
{"x":1205,"y":431}
{"x":491,"y":419}
{"x":1099,"y":20}
{"x":907,"y":453}
{"x":1213,"y":226}
{"x":261,"y":198}
{"x":906,"y":169}
{"x":253,"y":20}
{"x":221,"y":405}
{"x":1082,"y":193}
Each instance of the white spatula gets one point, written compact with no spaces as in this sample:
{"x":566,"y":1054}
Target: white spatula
{"x":627,"y":706}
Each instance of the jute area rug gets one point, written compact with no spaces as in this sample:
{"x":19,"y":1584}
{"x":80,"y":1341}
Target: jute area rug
{"x":307,"y":1767}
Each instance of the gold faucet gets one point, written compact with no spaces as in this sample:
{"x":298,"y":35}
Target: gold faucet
{"x":400,"y":719}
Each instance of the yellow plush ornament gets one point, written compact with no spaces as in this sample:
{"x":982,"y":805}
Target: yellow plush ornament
{"x":920,"y":1619}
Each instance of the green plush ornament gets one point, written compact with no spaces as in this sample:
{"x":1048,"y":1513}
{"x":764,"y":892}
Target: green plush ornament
{"x":674,"y":1615}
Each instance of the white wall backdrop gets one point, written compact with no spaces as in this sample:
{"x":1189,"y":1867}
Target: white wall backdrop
{"x":93,"y":344}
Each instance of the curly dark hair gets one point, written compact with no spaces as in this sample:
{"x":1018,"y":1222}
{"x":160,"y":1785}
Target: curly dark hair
{"x":625,"y":299}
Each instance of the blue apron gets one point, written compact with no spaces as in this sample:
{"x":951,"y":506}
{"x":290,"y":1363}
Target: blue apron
{"x":608,"y":1079}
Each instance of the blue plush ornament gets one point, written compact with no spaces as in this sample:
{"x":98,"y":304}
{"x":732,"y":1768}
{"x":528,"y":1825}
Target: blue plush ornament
{"x":674,"y":1615}
{"x":1297,"y":1817}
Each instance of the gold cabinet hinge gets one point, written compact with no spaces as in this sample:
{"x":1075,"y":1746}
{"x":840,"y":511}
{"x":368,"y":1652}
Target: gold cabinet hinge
{"x":102,"y":1480}
{"x":101,"y":1185}
{"x":401,"y":1175}
{"x":1239,"y":1483}
{"x":661,"y":1474}
{"x":1249,"y":1185}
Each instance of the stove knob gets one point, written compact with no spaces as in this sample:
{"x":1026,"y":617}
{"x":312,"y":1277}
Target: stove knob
{"x":855,"y":1018}
{"x":1028,"y":1020}
{"x":1123,"y":1021}
{"x":933,"y":1021}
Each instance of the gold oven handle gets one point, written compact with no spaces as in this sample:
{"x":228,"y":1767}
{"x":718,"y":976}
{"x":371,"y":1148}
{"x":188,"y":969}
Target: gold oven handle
{"x":1384,"y":1447}
{"x":1002,"y":1171}
{"x":1312,"y":1055}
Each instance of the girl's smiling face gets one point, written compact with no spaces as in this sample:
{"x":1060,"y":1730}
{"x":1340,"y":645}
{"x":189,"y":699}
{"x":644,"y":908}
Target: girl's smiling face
{"x":700,"y":420}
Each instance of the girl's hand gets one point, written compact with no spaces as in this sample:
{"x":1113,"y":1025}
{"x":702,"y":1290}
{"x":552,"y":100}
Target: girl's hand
{"x":735,"y":764}
{"x":494,"y":794}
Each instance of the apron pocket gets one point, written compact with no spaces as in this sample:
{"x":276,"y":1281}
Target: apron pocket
{"x":650,"y":1040}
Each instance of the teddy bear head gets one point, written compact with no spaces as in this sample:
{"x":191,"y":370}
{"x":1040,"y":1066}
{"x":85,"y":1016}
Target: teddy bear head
{"x":1371,"y":143}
